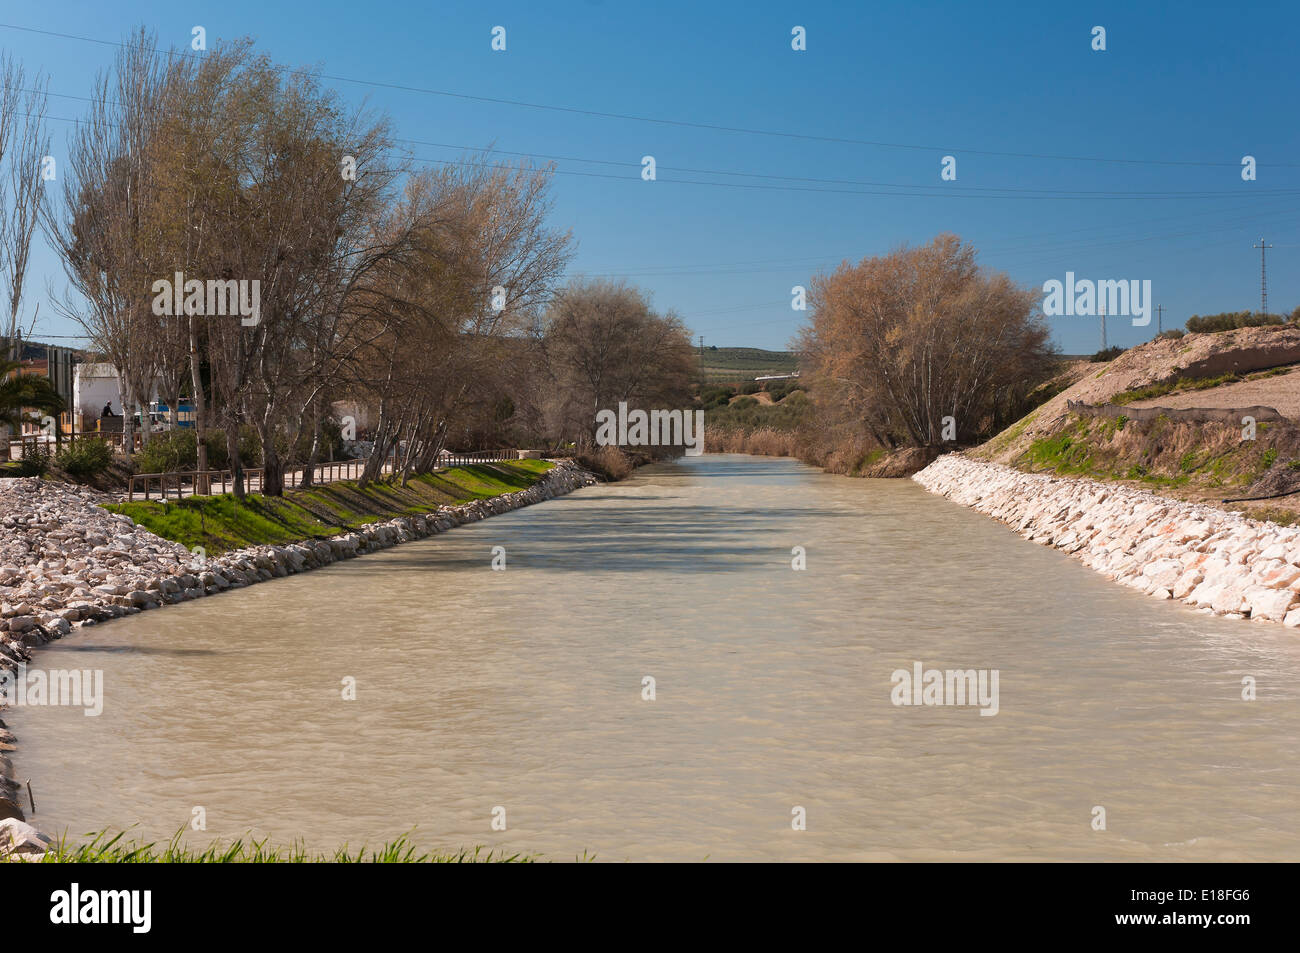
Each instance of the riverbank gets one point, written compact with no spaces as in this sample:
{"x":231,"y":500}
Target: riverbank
{"x":221,"y":524}
{"x":67,"y":562}
{"x":1211,"y":559}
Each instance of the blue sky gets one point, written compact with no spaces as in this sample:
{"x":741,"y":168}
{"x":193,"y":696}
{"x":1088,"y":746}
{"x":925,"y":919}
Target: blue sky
{"x":1182,"y":92}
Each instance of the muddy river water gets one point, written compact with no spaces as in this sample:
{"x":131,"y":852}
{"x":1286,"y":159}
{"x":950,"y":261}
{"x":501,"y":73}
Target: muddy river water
{"x":774,"y":692}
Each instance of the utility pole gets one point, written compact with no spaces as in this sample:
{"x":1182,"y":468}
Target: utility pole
{"x":1103,"y":326}
{"x":1160,"y":323}
{"x":1263,"y":277}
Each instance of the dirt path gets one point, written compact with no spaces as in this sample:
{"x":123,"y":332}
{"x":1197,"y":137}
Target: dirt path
{"x":1281,"y":392}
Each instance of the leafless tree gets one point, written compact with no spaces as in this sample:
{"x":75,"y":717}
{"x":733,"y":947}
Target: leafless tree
{"x":604,"y":344}
{"x":24,"y":144}
{"x":901,"y":341}
{"x":479,"y":261}
{"x":103,"y":229}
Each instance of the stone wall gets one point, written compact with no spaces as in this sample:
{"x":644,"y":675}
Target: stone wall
{"x":1223,"y":415}
{"x":1214,"y":560}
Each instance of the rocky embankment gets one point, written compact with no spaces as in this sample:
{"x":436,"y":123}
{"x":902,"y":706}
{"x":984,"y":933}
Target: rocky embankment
{"x":1214,"y":560}
{"x":65,"y":563}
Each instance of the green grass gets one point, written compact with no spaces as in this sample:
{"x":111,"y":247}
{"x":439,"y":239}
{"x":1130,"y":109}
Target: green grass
{"x":222,"y":523}
{"x":1182,"y":384}
{"x":1087,"y":447}
{"x":1066,"y":453}
{"x":106,"y":849}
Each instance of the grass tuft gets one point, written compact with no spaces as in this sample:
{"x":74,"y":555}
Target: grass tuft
{"x":106,"y":848}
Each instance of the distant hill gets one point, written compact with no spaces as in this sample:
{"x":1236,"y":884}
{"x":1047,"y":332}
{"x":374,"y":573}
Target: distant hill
{"x":732,"y":364}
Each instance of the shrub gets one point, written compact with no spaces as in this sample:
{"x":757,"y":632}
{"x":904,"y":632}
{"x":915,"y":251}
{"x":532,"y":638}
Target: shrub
{"x":765,"y":442}
{"x":168,"y":452}
{"x":1230,"y":320}
{"x":84,"y":458}
{"x":779,"y":390}
{"x":712,"y":397}
{"x":250,"y":450}
{"x":1109,"y":354}
{"x":1173,"y":334}
{"x":179,"y":450}
{"x":608,"y":462}
{"x":35,"y":461}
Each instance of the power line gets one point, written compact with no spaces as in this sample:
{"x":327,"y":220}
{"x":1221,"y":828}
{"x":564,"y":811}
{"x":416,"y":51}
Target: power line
{"x":998,"y":246}
{"x":629,"y":117}
{"x":826,"y":181}
{"x":920,"y":191}
{"x":903,"y":190}
{"x":937,"y":190}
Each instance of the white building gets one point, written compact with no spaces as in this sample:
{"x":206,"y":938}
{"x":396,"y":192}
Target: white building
{"x":95,"y":385}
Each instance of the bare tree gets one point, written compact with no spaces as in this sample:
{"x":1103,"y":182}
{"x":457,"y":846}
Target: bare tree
{"x":24,"y":144}
{"x":478,"y":262}
{"x":195,"y":166}
{"x":605,"y":344}
{"x":103,"y":229}
{"x":902,"y":341}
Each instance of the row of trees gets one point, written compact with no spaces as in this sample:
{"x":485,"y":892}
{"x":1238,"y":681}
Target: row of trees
{"x":428,"y":295}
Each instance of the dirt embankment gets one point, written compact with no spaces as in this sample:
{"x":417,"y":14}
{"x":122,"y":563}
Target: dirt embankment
{"x":1216,"y":457}
{"x":1195,"y":356}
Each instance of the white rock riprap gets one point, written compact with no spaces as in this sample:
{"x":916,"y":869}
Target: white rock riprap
{"x":65,"y":563}
{"x":1214,"y":560}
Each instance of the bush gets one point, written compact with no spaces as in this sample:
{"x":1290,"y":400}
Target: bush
{"x":84,"y":459}
{"x":1173,"y":334}
{"x":219,"y":458}
{"x":712,"y":397}
{"x":1230,"y":320}
{"x":608,"y":462}
{"x":751,"y":387}
{"x":35,"y":461}
{"x":169,"y":452}
{"x":779,"y":390}
{"x":1109,"y":354}
{"x":747,"y":414}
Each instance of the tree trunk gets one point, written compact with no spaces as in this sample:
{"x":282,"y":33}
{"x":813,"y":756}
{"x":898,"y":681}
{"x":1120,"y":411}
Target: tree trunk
{"x":236,"y":462}
{"x":198,"y":398}
{"x":272,"y":467}
{"x":146,"y":421}
{"x":128,"y":417}
{"x":309,"y":469}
